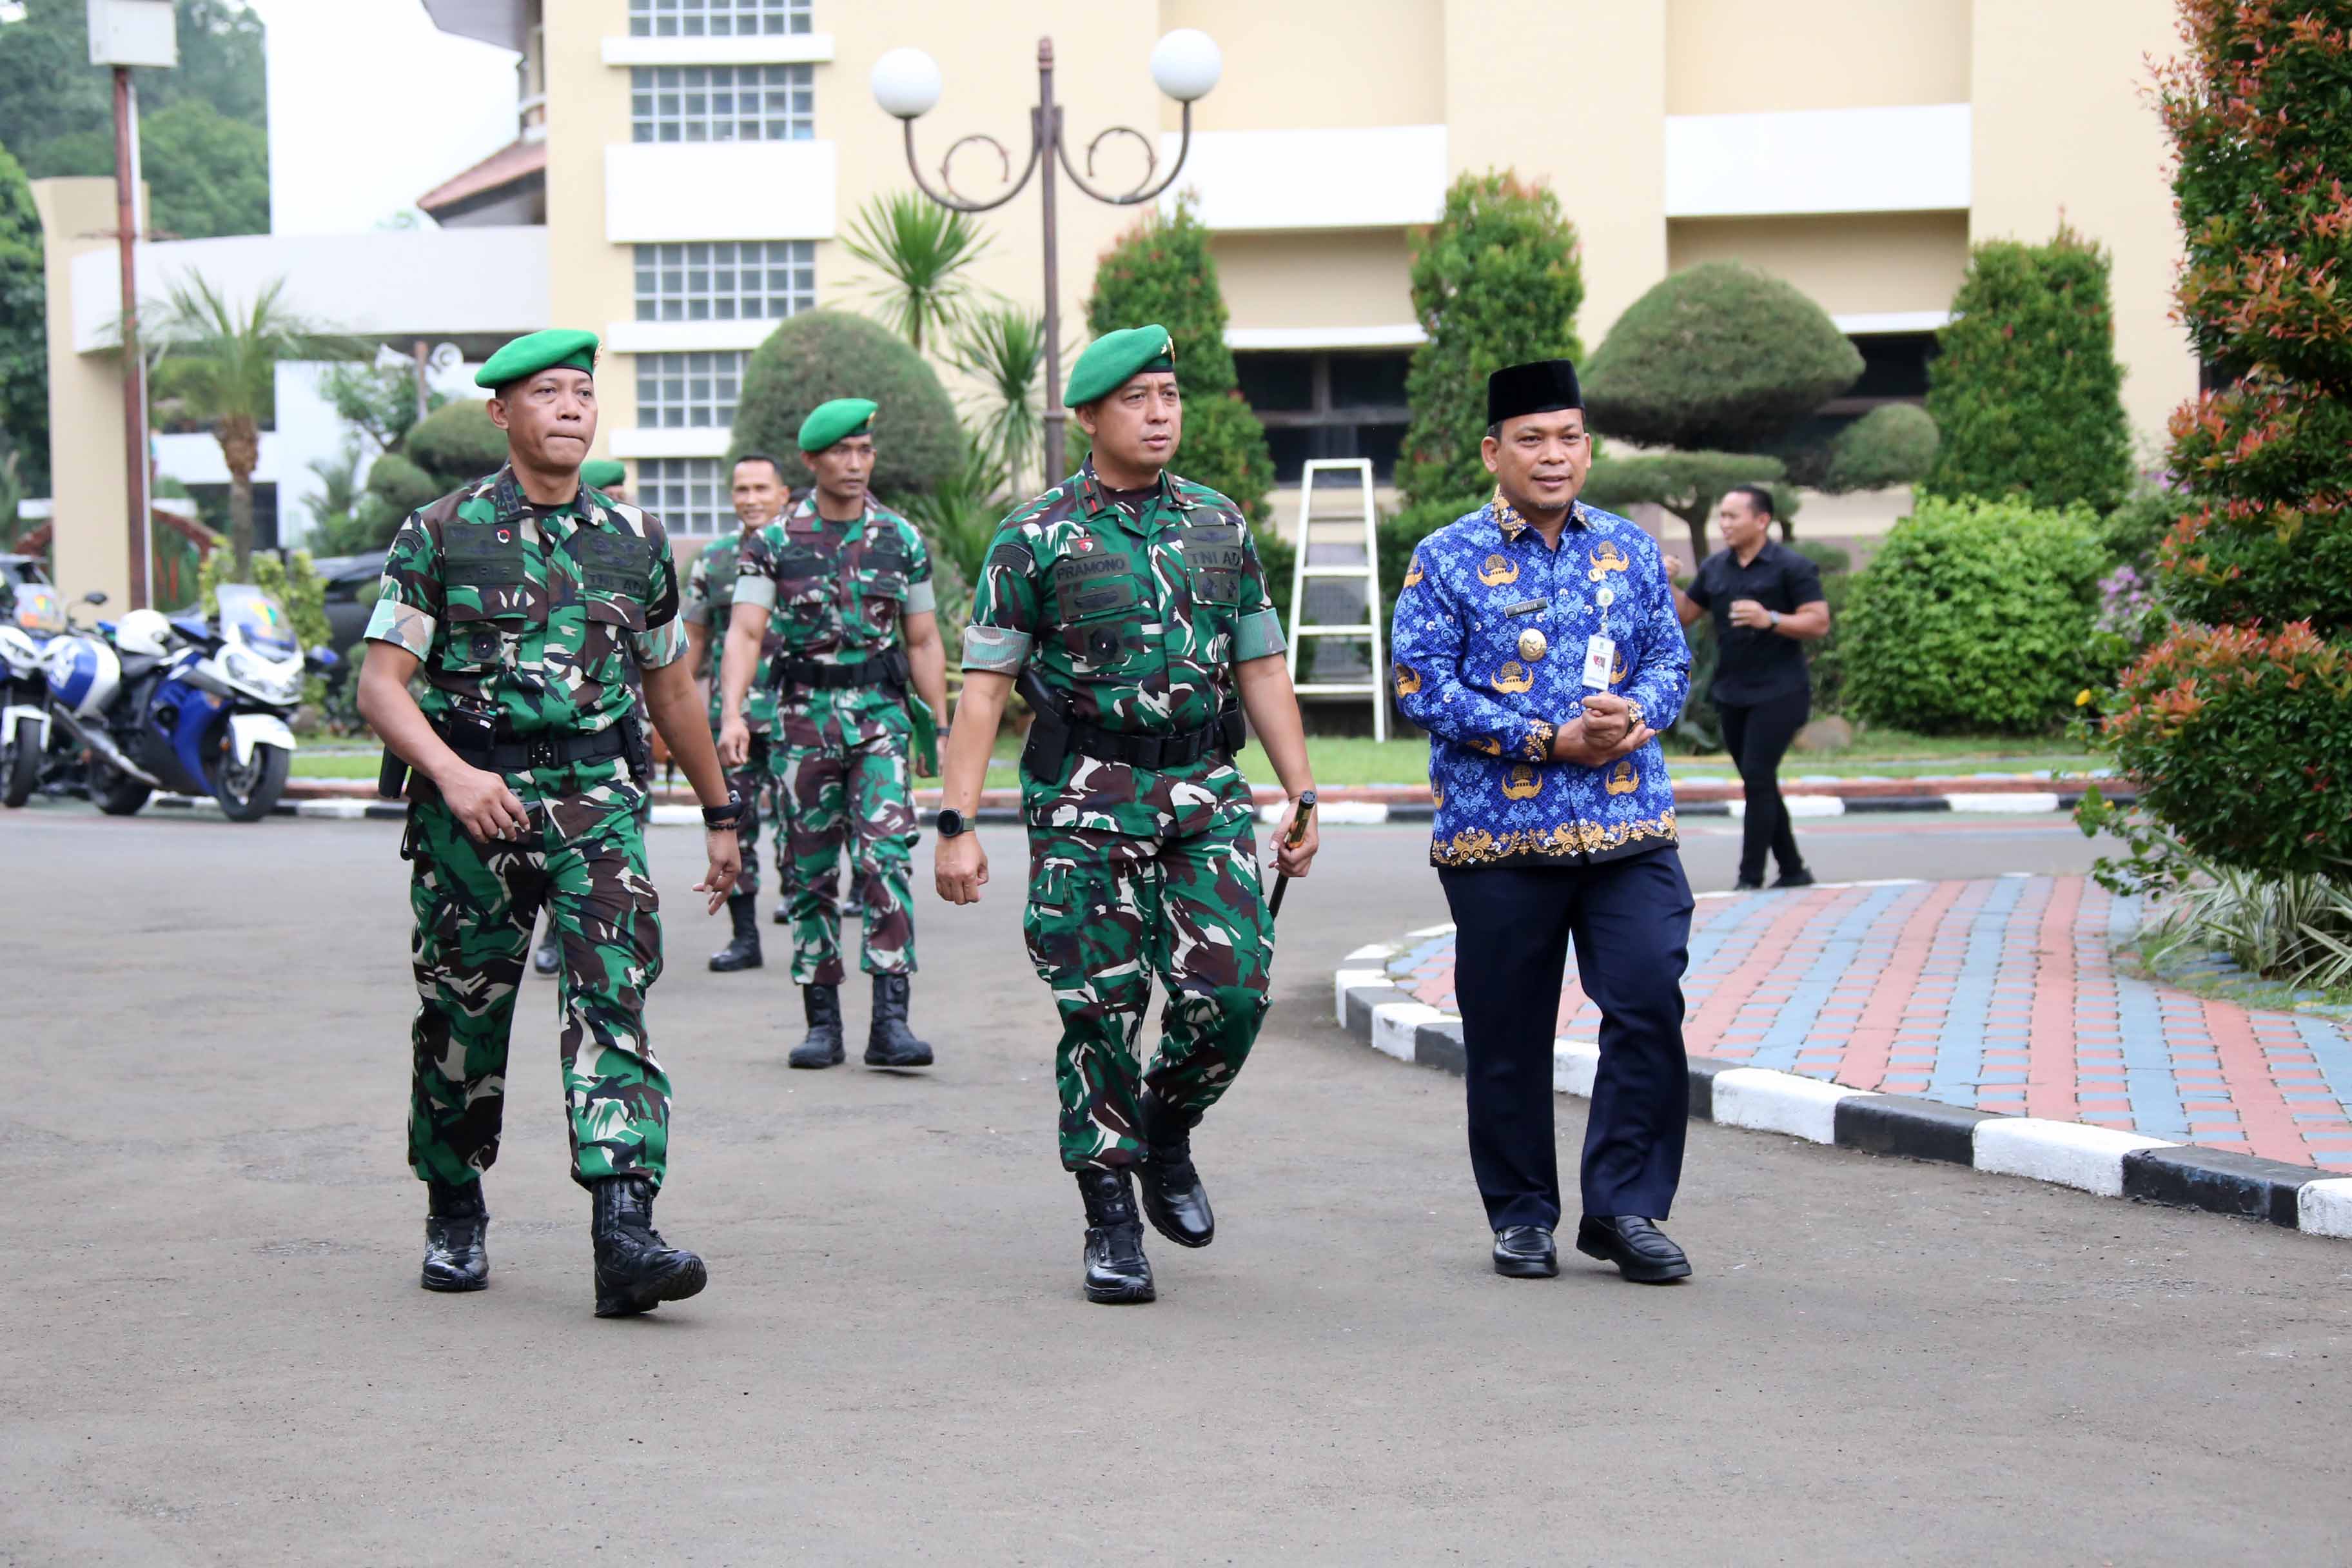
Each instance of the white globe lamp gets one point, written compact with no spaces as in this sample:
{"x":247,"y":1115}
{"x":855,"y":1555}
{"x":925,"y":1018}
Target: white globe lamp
{"x":1186,"y":64}
{"x":906,"y":83}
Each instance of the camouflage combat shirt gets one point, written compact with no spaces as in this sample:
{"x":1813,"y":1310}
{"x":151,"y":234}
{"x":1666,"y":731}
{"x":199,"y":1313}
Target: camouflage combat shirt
{"x":835,"y":592}
{"x":531,"y":616}
{"x":1135,"y":617}
{"x":710,"y":602}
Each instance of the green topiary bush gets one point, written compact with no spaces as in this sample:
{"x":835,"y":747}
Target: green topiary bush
{"x":457,"y":442}
{"x":1160,"y":271}
{"x":2025,"y":387}
{"x":819,"y":355}
{"x":1974,"y":615}
{"x":1894,"y":444}
{"x":1496,"y":281}
{"x":1690,"y":485}
{"x":1719,"y":357}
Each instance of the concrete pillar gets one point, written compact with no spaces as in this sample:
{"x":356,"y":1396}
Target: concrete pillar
{"x":92,"y":548}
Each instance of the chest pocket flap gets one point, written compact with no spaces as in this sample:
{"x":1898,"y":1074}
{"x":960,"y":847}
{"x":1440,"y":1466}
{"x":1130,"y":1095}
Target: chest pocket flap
{"x":616,"y":563}
{"x":476,"y":555}
{"x":1090,"y":586}
{"x":1213,"y":557}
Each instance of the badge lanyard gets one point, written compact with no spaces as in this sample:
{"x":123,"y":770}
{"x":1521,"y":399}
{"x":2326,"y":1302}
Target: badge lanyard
{"x":1599,"y":649}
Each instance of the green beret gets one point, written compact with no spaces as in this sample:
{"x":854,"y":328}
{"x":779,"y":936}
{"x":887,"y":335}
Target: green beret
{"x":1112,"y":358}
{"x":603,"y":474}
{"x":536,"y":351}
{"x":836,"y":421}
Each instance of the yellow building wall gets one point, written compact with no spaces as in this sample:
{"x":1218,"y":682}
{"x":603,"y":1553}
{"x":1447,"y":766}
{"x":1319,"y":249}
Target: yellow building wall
{"x":1741,"y":56}
{"x":91,"y":543}
{"x":1318,"y":64}
{"x":2062,"y":130}
{"x":1847,"y":263}
{"x":589,"y":279}
{"x":1349,"y":277}
{"x":1573,"y":92}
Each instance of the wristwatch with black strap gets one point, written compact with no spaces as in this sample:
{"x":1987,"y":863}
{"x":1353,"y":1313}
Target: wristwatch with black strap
{"x":717,"y":818}
{"x":952,"y":823}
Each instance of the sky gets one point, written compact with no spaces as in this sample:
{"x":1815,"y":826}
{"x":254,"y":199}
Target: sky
{"x":371,"y":106}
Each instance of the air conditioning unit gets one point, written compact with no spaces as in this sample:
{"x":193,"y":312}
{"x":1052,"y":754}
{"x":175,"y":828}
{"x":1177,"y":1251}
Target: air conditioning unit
{"x":134,"y":33}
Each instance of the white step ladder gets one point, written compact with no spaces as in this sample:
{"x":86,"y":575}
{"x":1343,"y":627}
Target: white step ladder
{"x":1364,"y":620}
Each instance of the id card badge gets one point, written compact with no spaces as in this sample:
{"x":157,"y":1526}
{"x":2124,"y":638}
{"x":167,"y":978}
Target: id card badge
{"x":1599,"y":658}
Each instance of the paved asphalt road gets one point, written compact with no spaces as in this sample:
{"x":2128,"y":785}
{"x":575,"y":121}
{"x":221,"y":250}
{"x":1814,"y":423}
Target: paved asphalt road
{"x":219,"y":1355}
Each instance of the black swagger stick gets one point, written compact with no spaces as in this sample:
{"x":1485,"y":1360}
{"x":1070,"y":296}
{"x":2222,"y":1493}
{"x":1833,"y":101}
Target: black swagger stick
{"x":1298,"y":831}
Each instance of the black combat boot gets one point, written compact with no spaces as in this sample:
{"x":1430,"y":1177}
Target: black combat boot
{"x":457,"y":1231}
{"x":1174,"y":1201}
{"x":888,"y":1042}
{"x":548,"y":956}
{"x":1116,"y":1271}
{"x":637,"y":1271}
{"x":743,"y":951}
{"x":822,"y":1048}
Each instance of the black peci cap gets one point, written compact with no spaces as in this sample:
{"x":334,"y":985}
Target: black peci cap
{"x":1542,"y":386}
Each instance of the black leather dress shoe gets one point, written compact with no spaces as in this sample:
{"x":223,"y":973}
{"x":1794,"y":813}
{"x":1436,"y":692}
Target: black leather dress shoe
{"x":1526,"y":1252}
{"x":1799,"y":878}
{"x":1745,"y":886}
{"x":1639,"y":1249}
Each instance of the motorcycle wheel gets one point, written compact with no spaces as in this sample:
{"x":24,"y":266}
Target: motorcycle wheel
{"x":246,"y":794}
{"x":113,"y":792}
{"x":21,"y":770}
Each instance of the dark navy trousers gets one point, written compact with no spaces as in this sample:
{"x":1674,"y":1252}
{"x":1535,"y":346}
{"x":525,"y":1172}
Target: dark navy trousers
{"x":1630,"y":919}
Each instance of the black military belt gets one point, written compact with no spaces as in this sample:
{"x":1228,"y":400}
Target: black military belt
{"x":878,"y":670}
{"x":541,"y":751}
{"x":1157,"y":750}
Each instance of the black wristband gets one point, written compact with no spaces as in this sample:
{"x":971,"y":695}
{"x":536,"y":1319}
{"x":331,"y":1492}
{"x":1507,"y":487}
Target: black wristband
{"x":715,"y":818}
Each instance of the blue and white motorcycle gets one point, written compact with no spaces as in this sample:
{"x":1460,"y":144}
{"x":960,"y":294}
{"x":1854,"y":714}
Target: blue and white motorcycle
{"x":25,"y":713}
{"x":189,"y":706}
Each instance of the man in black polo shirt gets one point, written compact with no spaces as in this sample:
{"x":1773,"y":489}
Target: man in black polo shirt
{"x":1766,"y":600}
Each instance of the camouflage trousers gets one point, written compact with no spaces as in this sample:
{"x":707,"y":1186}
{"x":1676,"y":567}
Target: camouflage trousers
{"x":585,"y":858}
{"x":1107,"y":912}
{"x":861,"y":795}
{"x":756,"y":783}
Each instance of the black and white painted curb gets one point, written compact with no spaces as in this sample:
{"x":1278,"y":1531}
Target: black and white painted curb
{"x":2099,"y":1159}
{"x":2007,"y":803}
{"x":353,"y":810}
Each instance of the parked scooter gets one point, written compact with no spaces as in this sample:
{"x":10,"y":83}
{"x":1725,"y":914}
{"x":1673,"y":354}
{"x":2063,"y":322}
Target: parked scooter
{"x":188,"y":706}
{"x":25,"y":714}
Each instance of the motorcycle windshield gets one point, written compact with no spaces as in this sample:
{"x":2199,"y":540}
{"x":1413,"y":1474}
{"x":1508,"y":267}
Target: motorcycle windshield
{"x":38,"y":608}
{"x":254,"y":617}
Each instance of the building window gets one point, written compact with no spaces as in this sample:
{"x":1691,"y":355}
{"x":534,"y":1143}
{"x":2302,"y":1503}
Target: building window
{"x":726,"y":280}
{"x":1328,"y":404}
{"x":717,"y":19}
{"x":721,"y":103}
{"x":689,"y":392}
{"x":690,"y":495}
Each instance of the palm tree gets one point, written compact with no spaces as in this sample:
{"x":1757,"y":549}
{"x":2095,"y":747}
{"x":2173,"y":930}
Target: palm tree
{"x":1003,"y":350}
{"x":921,"y":249}
{"x":219,"y":362}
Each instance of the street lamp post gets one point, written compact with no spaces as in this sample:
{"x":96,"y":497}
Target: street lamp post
{"x":1185,"y":65}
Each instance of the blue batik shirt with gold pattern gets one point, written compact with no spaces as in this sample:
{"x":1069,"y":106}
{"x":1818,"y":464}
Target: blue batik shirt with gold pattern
{"x":1489,"y":640}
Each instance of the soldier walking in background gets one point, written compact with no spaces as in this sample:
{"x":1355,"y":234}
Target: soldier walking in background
{"x":526,"y":600}
{"x":1129,"y":606}
{"x":840,"y":589}
{"x":759,"y":493}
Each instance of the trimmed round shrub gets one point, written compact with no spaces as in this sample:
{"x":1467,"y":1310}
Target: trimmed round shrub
{"x":819,"y":355}
{"x":403,"y":487}
{"x":1973,"y":616}
{"x":1719,"y":357}
{"x":1894,"y":444}
{"x":455,"y":442}
{"x":2241,"y":741}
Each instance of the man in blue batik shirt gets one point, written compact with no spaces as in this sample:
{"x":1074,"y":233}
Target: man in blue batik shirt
{"x":1535,"y":640}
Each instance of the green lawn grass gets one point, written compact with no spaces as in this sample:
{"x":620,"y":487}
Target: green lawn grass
{"x":1340,"y":760}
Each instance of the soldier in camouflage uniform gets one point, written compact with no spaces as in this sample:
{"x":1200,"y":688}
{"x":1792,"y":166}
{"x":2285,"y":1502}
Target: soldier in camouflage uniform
{"x":841,"y":589}
{"x":759,"y":494}
{"x":1130,"y":607}
{"x":525,"y":600}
